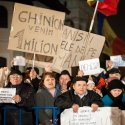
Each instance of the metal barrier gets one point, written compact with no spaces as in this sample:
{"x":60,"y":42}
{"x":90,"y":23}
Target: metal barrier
{"x":55,"y":111}
{"x":7,"y":108}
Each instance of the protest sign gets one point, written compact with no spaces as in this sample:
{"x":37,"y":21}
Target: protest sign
{"x":36,"y":30}
{"x":20,"y":61}
{"x":77,"y":45}
{"x":90,"y":67}
{"x":118,"y":60}
{"x":85,"y":116}
{"x":6,"y":95}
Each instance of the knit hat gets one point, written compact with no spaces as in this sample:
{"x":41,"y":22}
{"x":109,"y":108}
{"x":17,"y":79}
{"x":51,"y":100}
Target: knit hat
{"x":65,"y":72}
{"x":115,"y":84}
{"x":78,"y":78}
{"x":15,"y":71}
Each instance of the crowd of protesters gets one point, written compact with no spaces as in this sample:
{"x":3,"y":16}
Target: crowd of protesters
{"x":61,"y":90}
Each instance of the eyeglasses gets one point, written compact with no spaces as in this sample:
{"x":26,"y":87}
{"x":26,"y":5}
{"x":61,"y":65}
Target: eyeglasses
{"x":15,"y":76}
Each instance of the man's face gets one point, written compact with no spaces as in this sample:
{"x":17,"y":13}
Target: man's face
{"x":80,"y":87}
{"x":116,"y":92}
{"x":15,"y":79}
{"x":63,"y":80}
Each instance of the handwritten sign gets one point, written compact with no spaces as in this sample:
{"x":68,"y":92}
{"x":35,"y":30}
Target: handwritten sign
{"x":77,"y":45}
{"x":6,"y":95}
{"x":85,"y":116}
{"x":118,"y":60}
{"x":36,"y":30}
{"x":90,"y":67}
{"x":20,"y":61}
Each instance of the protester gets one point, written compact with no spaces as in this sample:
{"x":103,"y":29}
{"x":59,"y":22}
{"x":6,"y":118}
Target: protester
{"x":114,"y":72}
{"x":32,"y":77}
{"x":115,"y":96}
{"x":45,"y":96}
{"x":24,"y":99}
{"x":63,"y":80}
{"x":79,"y":96}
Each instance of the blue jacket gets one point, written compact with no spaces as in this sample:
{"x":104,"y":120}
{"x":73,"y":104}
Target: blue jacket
{"x":108,"y":101}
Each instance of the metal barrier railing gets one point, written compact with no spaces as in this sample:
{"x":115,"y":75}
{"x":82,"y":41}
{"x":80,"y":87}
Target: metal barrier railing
{"x":55,"y":111}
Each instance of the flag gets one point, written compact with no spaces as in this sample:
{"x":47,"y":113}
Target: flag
{"x":108,"y":7}
{"x":92,"y":2}
{"x":113,"y":45}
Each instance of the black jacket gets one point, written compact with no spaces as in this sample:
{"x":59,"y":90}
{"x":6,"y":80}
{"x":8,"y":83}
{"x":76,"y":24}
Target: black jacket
{"x":67,"y":99}
{"x":26,"y":93}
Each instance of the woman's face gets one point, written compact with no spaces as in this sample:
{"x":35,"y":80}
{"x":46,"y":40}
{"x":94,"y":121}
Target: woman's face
{"x":116,"y":92}
{"x":49,"y":82}
{"x":15,"y":79}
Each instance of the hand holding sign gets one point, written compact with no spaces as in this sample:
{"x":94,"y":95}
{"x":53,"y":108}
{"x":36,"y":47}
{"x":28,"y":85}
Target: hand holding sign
{"x":90,"y":67}
{"x":16,"y":98}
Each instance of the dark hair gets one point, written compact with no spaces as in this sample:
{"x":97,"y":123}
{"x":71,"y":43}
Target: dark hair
{"x":51,"y":74}
{"x":65,"y":72}
{"x":3,"y":62}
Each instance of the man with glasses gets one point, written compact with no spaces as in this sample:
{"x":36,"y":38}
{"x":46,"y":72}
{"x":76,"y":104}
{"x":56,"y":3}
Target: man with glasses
{"x":23,"y":99}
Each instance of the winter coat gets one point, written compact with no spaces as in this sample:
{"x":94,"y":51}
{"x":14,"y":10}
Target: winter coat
{"x":67,"y":99}
{"x":110,"y":101}
{"x":26,"y":92}
{"x":44,"y":98}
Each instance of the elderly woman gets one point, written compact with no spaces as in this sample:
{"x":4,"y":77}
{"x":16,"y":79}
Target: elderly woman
{"x":45,"y":96}
{"x":24,"y":99}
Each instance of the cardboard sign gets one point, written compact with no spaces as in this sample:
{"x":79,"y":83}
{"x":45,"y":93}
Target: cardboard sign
{"x":6,"y":95}
{"x":20,"y":61}
{"x":85,"y":116}
{"x":90,"y":67}
{"x":36,"y":30}
{"x":77,"y":45}
{"x":118,"y":60}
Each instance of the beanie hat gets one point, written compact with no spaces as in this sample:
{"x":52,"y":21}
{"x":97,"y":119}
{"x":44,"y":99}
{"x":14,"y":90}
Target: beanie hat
{"x":65,"y":72}
{"x":78,"y":78}
{"x":115,"y":84}
{"x":15,"y":71}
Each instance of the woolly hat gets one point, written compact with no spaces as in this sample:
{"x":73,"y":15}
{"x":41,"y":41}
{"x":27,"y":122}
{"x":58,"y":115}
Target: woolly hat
{"x":15,"y":71}
{"x":115,"y":84}
{"x":78,"y":78}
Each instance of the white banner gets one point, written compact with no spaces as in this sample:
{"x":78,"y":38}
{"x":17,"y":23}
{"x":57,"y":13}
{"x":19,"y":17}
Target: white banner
{"x":90,"y":67}
{"x":6,"y":95}
{"x":118,"y":60}
{"x":85,"y":116}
